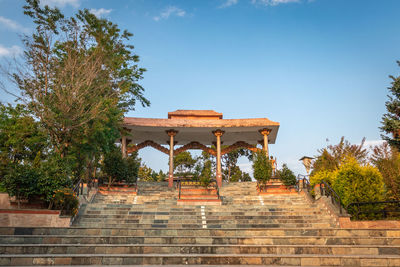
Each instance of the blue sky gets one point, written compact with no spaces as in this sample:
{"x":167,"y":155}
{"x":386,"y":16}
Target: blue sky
{"x":319,"y":67}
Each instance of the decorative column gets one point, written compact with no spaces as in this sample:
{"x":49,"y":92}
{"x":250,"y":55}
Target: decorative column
{"x":171,"y":134}
{"x":123,"y":146}
{"x":265,"y":132}
{"x":218,"y":134}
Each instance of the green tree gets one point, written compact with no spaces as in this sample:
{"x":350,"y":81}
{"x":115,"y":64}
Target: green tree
{"x":79,"y":76}
{"x":145,"y":173}
{"x":230,"y":160}
{"x":184,"y":163}
{"x":391,"y":120}
{"x":21,"y":182}
{"x":120,"y":169}
{"x":387,"y":160}
{"x":262,"y":169}
{"x":287,"y":176}
{"x":332,"y":156}
{"x":206,"y":173}
{"x":22,"y":139}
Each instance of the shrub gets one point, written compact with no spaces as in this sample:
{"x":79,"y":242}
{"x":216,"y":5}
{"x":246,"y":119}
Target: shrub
{"x":66,"y":201}
{"x":262,"y":168}
{"x":54,"y":175}
{"x":287,"y":176}
{"x":355,"y":183}
{"x":21,"y":182}
{"x":120,"y":169}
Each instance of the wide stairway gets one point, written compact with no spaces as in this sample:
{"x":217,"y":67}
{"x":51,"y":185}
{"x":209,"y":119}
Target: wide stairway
{"x":247,"y":229}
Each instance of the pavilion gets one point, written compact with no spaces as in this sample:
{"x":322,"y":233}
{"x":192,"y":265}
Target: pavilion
{"x":197,"y":129}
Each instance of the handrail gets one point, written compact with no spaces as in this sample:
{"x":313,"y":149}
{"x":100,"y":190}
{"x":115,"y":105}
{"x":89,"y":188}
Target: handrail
{"x":179,"y":185}
{"x":306,"y":182}
{"x":384,"y":211}
{"x":326,"y":190}
{"x":77,"y":186}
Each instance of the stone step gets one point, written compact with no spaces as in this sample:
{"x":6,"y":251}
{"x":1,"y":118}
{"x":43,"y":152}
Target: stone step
{"x":197,"y":215}
{"x":199,"y":219}
{"x":163,"y":224}
{"x":205,"y":259}
{"x":82,"y":231}
{"x":226,"y":215}
{"x":199,"y":196}
{"x":215,"y":240}
{"x":197,"y":249}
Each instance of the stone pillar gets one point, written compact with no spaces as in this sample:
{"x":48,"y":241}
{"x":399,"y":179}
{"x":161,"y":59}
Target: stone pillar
{"x":265,"y":132}
{"x":171,"y":134}
{"x":218,"y":134}
{"x":123,"y":146}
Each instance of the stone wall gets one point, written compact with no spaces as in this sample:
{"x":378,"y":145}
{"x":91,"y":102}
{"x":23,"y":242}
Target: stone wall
{"x":4,"y":201}
{"x":33,"y":218}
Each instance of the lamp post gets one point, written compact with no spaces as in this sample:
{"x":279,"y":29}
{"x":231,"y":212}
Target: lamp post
{"x":307,"y":163}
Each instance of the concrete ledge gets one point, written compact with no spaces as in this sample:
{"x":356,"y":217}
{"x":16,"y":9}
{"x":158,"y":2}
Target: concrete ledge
{"x":33,"y":218}
{"x":345,"y":222}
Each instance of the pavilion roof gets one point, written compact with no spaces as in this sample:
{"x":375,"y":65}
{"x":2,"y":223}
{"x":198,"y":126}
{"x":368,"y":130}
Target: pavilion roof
{"x":197,"y":125}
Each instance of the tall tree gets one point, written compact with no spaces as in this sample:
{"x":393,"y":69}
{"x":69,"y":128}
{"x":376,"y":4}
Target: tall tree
{"x":76,"y":72}
{"x":332,"y":156}
{"x":391,"y":120}
{"x":79,"y":76}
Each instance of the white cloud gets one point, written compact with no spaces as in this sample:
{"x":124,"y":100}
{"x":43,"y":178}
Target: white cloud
{"x":100,"y":12}
{"x":170,"y":11}
{"x":12,"y":25}
{"x":229,"y":3}
{"x":60,"y":3}
{"x":10,"y":51}
{"x":273,"y":2}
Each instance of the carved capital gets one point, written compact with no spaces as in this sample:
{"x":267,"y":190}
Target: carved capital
{"x":171,"y":132}
{"x":175,"y":142}
{"x":218,"y":132}
{"x":265,"y":131}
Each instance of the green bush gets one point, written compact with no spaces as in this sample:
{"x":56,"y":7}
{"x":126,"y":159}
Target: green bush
{"x":66,"y":201}
{"x":355,"y":183}
{"x":22,"y":182}
{"x":287,"y":176}
{"x":262,"y":168}
{"x":120,"y":169}
{"x":54,"y":175}
{"x":326,"y":175}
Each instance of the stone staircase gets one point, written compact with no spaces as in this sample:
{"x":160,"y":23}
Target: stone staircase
{"x":247,"y":229}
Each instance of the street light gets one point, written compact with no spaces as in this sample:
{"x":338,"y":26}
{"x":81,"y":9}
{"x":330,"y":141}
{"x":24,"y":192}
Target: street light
{"x":307,"y":163}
